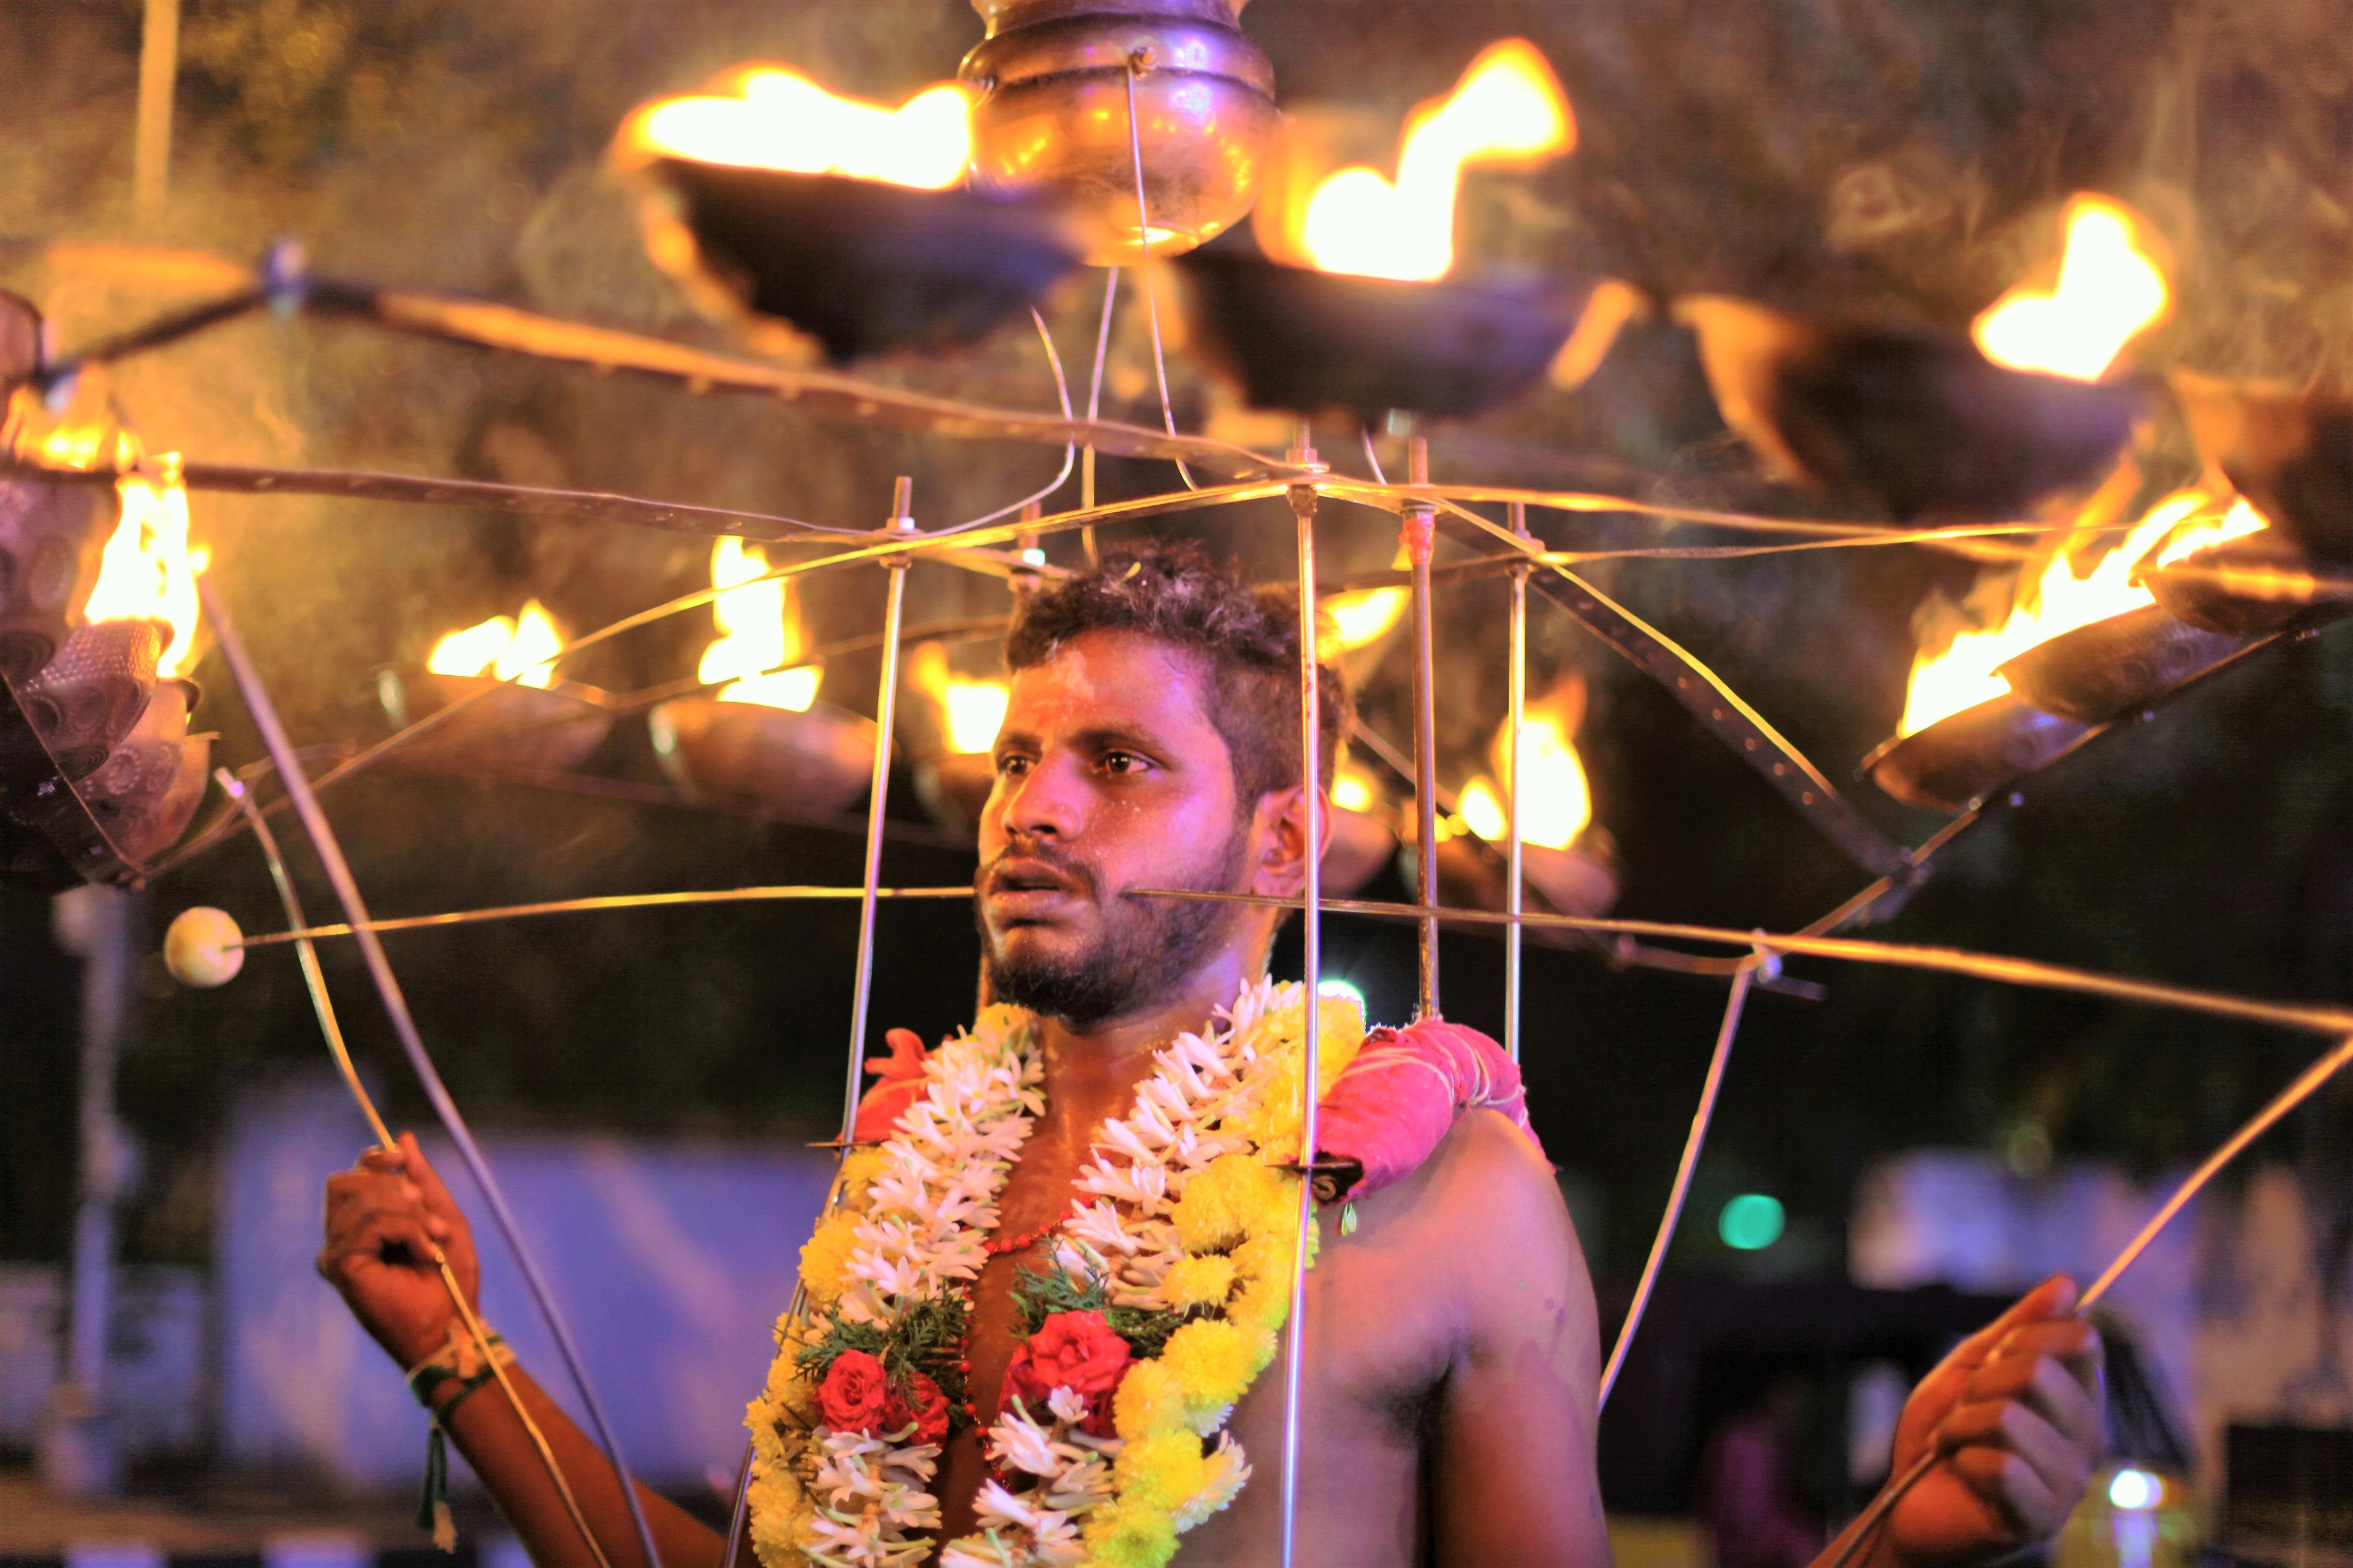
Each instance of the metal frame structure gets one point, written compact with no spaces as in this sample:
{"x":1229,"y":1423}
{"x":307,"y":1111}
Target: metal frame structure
{"x":1509,"y":548}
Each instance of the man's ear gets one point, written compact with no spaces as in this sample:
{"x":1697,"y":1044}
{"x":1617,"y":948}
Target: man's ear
{"x":1281,"y":837}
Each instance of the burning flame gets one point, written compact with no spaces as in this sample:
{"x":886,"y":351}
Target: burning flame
{"x":2109,"y":289}
{"x":758,"y":634}
{"x":505,"y":647}
{"x":1507,"y":107}
{"x":1960,"y":673}
{"x":769,"y":117}
{"x":1559,"y":802}
{"x":970,"y":711}
{"x":1353,"y":789}
{"x":1364,"y":617}
{"x":148,"y":572}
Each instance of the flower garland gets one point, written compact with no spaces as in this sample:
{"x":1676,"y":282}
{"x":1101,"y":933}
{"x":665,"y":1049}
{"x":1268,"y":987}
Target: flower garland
{"x":1169,"y":1282}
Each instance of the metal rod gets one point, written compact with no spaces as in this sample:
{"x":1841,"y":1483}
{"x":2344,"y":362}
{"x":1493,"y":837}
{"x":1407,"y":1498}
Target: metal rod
{"x":339,"y":874}
{"x":1514,"y":720}
{"x":314,"y":980}
{"x":159,"y":69}
{"x":1311,"y":795}
{"x":595,"y":905}
{"x":894,"y":608}
{"x":1419,"y":533}
{"x":1681,"y":1187}
{"x":1942,"y":960}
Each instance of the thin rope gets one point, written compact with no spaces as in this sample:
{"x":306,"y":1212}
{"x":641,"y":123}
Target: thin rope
{"x":1681,"y":1188}
{"x":1143,"y":265}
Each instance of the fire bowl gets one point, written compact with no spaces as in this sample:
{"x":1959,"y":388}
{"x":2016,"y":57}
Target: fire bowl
{"x":1970,"y":753}
{"x":2289,"y":452}
{"x":150,"y":785}
{"x":1306,"y":341}
{"x":1920,"y":421}
{"x":1361,"y":844}
{"x":798,"y":763}
{"x":2095,"y":672}
{"x":85,"y":700}
{"x":514,"y":728}
{"x":51,"y":530}
{"x":860,"y":266}
{"x":2198,"y":589}
{"x":954,"y":787}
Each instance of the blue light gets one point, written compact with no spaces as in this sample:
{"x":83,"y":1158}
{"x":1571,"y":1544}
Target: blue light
{"x":2135,"y":1489}
{"x":1750,"y":1222}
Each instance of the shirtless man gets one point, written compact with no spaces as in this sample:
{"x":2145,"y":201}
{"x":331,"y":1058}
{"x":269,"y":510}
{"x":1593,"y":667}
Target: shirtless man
{"x":1448,"y":1398}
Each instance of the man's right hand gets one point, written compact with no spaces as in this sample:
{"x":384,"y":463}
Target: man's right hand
{"x":388,"y":1218}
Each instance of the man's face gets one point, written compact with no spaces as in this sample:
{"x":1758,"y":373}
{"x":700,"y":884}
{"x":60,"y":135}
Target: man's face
{"x":1109,"y":776}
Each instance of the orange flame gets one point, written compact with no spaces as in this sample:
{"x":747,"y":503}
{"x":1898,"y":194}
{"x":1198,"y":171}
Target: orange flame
{"x":1507,"y":109}
{"x":970,"y":711}
{"x":2110,"y":290}
{"x":759,"y":634}
{"x":1558,"y":803}
{"x":770,"y":117}
{"x":2062,"y":596}
{"x":1353,"y":789}
{"x":515,"y":648}
{"x":148,"y":572}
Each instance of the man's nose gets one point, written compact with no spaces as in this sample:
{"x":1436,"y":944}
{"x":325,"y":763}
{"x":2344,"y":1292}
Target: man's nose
{"x":1048,"y":801}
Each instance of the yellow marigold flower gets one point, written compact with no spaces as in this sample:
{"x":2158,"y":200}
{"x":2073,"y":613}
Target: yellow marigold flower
{"x":1161,"y":1472}
{"x":1273,"y":1121}
{"x":1128,"y":1535}
{"x":1220,"y":1200}
{"x":825,"y":1257}
{"x":858,"y":1174}
{"x":1262,"y":1304}
{"x":1276,"y":1209}
{"x":780,"y":1511}
{"x":1214,"y":1361}
{"x":1150,"y":1401}
{"x":1200,"y":1282}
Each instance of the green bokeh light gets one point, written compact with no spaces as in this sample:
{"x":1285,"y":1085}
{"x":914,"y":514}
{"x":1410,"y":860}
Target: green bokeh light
{"x":1750,"y":1222}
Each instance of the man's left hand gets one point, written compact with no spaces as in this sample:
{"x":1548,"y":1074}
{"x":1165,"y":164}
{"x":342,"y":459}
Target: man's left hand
{"x":2018,"y":1416}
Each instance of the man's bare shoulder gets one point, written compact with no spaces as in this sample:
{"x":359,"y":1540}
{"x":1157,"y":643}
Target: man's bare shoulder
{"x":1485,"y":1211}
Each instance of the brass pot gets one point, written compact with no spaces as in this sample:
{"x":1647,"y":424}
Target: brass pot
{"x":801,"y":764}
{"x":514,"y":728}
{"x":1970,"y":753}
{"x":2095,"y":672}
{"x":1051,"y":118}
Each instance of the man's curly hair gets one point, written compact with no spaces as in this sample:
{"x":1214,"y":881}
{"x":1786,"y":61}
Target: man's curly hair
{"x":1246,"y":638}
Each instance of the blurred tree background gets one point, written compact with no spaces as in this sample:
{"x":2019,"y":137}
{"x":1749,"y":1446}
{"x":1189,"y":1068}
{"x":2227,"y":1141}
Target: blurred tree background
{"x":1889,"y":155}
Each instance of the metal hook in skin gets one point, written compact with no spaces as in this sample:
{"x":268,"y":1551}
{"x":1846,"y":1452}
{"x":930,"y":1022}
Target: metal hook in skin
{"x":1514,"y":720}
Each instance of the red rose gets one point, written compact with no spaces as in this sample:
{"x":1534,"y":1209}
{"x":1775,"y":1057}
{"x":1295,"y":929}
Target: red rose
{"x":853,"y":1394}
{"x":1076,"y":1351}
{"x":925,"y":1406}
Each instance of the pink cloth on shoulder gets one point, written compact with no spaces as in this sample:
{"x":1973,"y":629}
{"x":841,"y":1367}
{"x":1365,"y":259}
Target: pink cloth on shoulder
{"x":1387,"y":1111}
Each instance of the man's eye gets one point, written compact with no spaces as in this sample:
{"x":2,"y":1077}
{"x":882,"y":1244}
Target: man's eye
{"x":1122,"y":762}
{"x":1012,"y":766}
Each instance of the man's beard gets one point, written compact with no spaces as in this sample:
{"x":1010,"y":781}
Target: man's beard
{"x":1148,"y":947}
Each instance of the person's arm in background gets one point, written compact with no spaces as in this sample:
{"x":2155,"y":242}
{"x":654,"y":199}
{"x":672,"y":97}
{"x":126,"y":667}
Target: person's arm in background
{"x":2017,"y":1412}
{"x":385,"y":1218}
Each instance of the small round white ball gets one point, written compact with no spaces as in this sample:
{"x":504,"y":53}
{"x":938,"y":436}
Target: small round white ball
{"x":203,"y":947}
